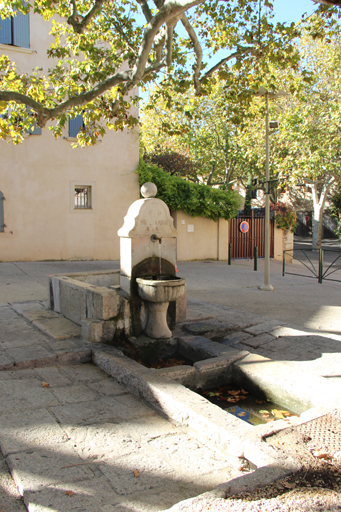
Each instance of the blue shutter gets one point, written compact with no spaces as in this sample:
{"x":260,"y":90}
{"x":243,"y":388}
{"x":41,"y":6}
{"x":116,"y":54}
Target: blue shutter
{"x":6,"y":31}
{"x":21,"y":30}
{"x":75,"y":125}
{"x":34,"y":129}
{"x":2,"y":224}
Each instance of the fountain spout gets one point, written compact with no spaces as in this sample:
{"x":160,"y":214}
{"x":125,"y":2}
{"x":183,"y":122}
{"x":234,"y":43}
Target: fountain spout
{"x":154,"y":238}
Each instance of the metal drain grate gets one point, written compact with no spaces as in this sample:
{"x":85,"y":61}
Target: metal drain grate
{"x":325,"y":430}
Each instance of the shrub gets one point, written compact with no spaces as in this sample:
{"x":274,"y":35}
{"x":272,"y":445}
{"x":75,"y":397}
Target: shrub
{"x":195,"y":199}
{"x":285,"y":217}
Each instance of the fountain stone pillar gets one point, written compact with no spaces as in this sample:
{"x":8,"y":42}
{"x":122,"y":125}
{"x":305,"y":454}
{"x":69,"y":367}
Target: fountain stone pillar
{"x":148,"y":249}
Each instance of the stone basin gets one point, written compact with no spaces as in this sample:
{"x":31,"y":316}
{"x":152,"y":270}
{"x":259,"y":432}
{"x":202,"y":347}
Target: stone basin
{"x":162,"y":288}
{"x":158,"y":292}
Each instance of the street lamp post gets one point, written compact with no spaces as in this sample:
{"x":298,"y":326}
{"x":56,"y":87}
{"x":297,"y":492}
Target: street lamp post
{"x":267,"y":95}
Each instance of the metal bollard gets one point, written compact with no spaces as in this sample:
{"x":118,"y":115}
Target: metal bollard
{"x":320,"y":266}
{"x":255,"y":252}
{"x":230,"y":250}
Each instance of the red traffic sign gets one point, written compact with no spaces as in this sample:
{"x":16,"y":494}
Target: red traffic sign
{"x":244,"y":226}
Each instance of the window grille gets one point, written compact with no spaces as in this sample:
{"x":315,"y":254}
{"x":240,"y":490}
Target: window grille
{"x":82,"y":197}
{"x":15,"y":30}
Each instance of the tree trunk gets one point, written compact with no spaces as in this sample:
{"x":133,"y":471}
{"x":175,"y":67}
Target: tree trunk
{"x":319,"y":201}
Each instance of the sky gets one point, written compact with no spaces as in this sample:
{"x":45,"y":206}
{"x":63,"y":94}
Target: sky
{"x":292,"y":10}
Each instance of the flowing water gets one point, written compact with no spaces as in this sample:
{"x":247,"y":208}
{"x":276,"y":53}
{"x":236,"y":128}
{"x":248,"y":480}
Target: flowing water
{"x":160,"y":261}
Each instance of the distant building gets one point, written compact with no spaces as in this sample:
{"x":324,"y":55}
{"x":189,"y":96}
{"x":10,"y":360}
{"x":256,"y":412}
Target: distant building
{"x":57,"y":202}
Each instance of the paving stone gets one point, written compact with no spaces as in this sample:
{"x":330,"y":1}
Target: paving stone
{"x":153,"y":471}
{"x":282,"y":331}
{"x":85,"y":372}
{"x":30,"y":429}
{"x":151,"y":427}
{"x":6,"y":375}
{"x":160,"y":499}
{"x":91,"y":495}
{"x":74,"y":393}
{"x":136,"y":406}
{"x":109,"y":387}
{"x":21,"y":338}
{"x":212,"y":328}
{"x":26,"y":373}
{"x":235,"y":337}
{"x":33,"y":471}
{"x":58,"y":328}
{"x":10,"y":499}
{"x":65,"y":344}
{"x":55,"y":377}
{"x":187,"y":455}
{"x":102,"y":442}
{"x":31,"y":356}
{"x":102,"y":410}
{"x":6,"y":362}
{"x":24,"y":394}
{"x":76,"y":356}
{"x":264,"y":327}
{"x":258,"y":341}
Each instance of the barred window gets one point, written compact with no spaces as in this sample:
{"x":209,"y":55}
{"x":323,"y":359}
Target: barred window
{"x":82,"y":197}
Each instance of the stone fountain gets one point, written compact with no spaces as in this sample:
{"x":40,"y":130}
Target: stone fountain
{"x":148,"y":261}
{"x":144,"y":296}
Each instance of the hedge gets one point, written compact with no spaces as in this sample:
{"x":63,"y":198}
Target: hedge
{"x":195,"y":199}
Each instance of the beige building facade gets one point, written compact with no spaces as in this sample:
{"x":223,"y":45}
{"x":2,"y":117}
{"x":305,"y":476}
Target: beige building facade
{"x":62,"y":203}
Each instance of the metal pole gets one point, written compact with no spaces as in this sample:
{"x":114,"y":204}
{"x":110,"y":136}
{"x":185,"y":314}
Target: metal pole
{"x":229,"y":260}
{"x":320,"y":266}
{"x":267,"y":286}
{"x":255,"y":257}
{"x":283,"y":271}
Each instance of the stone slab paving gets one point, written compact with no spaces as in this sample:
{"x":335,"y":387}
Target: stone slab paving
{"x":75,"y":439}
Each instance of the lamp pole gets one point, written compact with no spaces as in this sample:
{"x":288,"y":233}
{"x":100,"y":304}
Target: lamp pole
{"x":263,"y":92}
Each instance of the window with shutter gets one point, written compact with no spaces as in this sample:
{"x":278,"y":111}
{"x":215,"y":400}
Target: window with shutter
{"x":75,"y":125}
{"x":16,"y":30}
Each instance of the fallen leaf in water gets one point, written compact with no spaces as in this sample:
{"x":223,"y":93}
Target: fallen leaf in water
{"x":232,"y":400}
{"x":244,"y":392}
{"x":232,"y":392}
{"x":242,"y":414}
{"x":45,"y":384}
{"x":278,"y":414}
{"x":259,"y":402}
{"x":69,"y":493}
{"x":136,"y":473}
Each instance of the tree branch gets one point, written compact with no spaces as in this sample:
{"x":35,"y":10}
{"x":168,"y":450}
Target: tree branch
{"x":198,"y":52}
{"x":79,"y":23}
{"x":145,"y":9}
{"x":241,"y":51}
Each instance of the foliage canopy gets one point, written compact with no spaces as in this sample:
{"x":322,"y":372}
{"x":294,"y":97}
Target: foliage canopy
{"x":102,"y":50}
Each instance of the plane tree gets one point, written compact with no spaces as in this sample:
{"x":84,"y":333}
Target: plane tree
{"x":307,"y":150}
{"x":103,"y":49}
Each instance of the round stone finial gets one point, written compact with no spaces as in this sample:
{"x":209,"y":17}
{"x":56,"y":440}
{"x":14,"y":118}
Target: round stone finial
{"x":148,"y":189}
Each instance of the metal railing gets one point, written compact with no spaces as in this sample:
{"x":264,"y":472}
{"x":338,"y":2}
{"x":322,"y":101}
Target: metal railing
{"x":313,"y":261}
